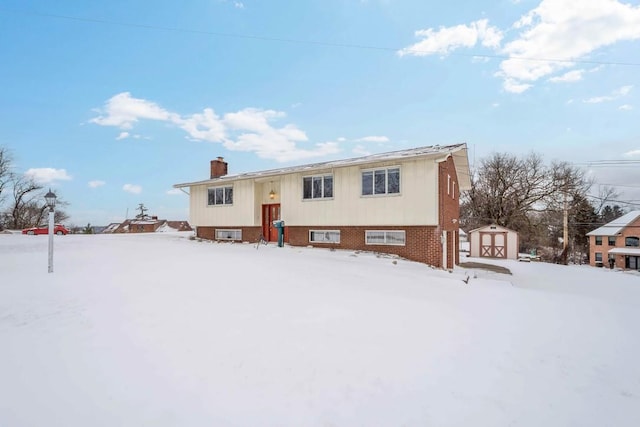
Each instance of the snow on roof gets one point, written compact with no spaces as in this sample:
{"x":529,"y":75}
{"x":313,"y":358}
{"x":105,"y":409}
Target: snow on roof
{"x":462,"y":165}
{"x":616,"y":226}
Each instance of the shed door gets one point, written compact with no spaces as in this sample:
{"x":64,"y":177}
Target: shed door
{"x":486,"y":244}
{"x":500,"y":245}
{"x":493,"y":245}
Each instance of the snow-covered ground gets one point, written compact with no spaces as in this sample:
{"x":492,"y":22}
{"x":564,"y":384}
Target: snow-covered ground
{"x":161,"y":330}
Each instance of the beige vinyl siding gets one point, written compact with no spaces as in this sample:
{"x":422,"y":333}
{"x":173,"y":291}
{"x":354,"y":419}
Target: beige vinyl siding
{"x":241,"y":213}
{"x":416,"y":204}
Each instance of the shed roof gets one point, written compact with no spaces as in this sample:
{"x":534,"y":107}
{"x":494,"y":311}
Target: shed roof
{"x":616,"y":226}
{"x":492,"y":227}
{"x":458,"y":151}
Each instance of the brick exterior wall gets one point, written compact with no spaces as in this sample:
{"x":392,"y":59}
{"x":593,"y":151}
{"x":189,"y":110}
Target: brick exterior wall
{"x":249,"y":234}
{"x":422,"y":243}
{"x":632,"y":230}
{"x":449,"y":208}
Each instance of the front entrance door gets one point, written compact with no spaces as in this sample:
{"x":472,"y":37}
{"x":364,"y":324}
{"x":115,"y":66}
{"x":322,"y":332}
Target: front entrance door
{"x":632,"y":262}
{"x":270,"y":213}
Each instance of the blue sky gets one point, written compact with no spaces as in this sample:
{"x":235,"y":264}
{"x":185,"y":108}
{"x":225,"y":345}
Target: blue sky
{"x":111,"y":103}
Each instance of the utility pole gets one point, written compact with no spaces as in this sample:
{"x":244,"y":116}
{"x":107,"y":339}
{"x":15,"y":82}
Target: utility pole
{"x":565,"y":226}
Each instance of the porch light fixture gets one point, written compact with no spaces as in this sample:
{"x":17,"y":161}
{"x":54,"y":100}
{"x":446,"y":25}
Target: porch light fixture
{"x":272,"y":194}
{"x":50,"y":197}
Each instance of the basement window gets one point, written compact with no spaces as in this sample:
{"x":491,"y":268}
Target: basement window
{"x":222,"y":234}
{"x":383,"y":237}
{"x":324,"y":236}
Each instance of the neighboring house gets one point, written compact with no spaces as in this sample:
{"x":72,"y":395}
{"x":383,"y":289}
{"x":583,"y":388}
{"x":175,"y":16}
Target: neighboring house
{"x":150,"y":225}
{"x":618,"y":240}
{"x":494,"y":241}
{"x":404,"y":203}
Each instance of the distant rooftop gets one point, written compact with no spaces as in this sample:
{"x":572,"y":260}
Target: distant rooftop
{"x":616,"y":226}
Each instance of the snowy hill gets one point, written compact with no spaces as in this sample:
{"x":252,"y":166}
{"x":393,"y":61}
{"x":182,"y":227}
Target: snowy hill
{"x":158,"y":329}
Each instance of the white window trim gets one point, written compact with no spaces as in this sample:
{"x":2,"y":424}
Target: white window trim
{"x":448,"y":184}
{"x":327,"y":242}
{"x":227,"y":230}
{"x":322,"y":175}
{"x":386,"y":193}
{"x":223,"y":191}
{"x":385,"y":243}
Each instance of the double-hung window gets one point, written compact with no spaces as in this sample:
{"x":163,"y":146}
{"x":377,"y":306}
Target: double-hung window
{"x":220,"y":196}
{"x":317,"y":187}
{"x":599,"y":240}
{"x":381,"y":181}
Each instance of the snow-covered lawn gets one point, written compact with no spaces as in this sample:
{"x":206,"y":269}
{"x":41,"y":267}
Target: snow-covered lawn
{"x":160,"y":330}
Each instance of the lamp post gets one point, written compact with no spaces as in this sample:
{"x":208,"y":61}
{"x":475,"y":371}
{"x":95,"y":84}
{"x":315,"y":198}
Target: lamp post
{"x":50,"y":197}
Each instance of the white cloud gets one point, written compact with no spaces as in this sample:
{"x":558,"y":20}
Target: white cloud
{"x":47,"y":175}
{"x":632,"y":153}
{"x":513,"y":86}
{"x":360,"y":150}
{"x":238,"y":5}
{"x":447,"y":39}
{"x":566,"y":30}
{"x":123,"y":135}
{"x":373,"y":139}
{"x":250,"y":129}
{"x":96,"y":184}
{"x":546,"y":39}
{"x":175,"y":192}
{"x":122,"y":111}
{"x":625,"y":107}
{"x":132,"y":188}
{"x":568,"y":77}
{"x":616,"y":94}
{"x":495,"y":104}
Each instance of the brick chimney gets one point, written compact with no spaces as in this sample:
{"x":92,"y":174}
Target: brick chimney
{"x":218,"y":168}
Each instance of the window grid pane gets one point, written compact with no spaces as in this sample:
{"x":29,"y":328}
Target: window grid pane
{"x":393,"y":180}
{"x":328,"y":186}
{"x":367,"y":183}
{"x":380,"y":182}
{"x":306,"y":188}
{"x":317,"y":187}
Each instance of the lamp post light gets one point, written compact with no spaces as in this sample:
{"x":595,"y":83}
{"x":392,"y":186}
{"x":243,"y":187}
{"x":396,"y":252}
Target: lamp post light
{"x":50,"y":197}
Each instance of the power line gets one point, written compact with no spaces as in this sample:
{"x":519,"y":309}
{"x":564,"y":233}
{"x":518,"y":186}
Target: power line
{"x":311,"y":42}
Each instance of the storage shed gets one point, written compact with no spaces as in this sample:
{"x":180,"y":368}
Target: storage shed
{"x":493,"y":241}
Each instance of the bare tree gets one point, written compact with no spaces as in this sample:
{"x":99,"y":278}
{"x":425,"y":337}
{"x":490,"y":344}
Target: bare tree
{"x":521,"y":194}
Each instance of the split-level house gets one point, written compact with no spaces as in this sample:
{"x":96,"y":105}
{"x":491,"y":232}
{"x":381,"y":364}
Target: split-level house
{"x":617,"y":243}
{"x":403,"y":202}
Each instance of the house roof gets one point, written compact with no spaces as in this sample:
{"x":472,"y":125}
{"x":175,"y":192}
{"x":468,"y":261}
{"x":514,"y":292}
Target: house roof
{"x":616,"y":226}
{"x":458,"y":151}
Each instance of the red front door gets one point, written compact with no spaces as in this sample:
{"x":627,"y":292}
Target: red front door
{"x":270,"y":213}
